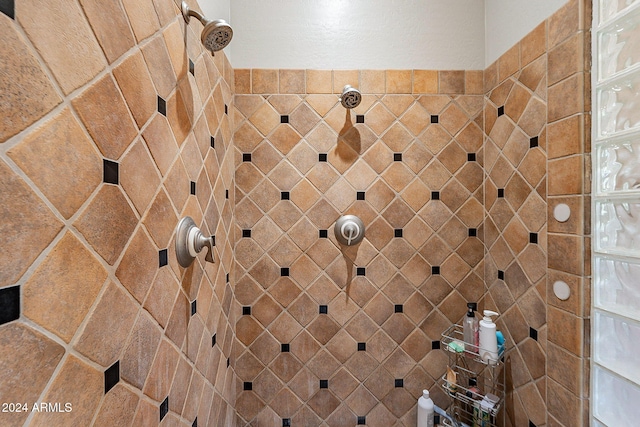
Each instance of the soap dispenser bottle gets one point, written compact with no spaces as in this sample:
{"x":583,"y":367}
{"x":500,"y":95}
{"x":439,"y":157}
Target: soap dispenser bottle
{"x":488,"y":342}
{"x":470,"y":329}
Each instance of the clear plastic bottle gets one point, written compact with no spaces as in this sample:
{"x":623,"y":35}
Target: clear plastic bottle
{"x":425,"y":410}
{"x":470,"y":330}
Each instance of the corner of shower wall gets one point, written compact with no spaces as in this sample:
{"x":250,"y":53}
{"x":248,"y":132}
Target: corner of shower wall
{"x":537,"y":138}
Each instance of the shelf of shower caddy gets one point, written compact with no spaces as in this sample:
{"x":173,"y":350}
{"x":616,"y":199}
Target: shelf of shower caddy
{"x":469,"y":397}
{"x":455,"y":334}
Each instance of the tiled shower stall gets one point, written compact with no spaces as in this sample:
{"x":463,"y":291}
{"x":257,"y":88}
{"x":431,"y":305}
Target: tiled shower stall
{"x":116,"y":128}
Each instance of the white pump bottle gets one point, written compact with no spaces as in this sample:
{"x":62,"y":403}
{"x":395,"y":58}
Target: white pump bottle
{"x":425,"y":410}
{"x":488,"y":342}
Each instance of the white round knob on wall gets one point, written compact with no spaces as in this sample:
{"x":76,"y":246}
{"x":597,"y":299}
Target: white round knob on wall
{"x":562,"y":212}
{"x":561,"y":290}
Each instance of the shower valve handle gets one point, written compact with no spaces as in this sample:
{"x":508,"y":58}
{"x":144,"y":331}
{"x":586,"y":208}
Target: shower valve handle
{"x":189,"y":242}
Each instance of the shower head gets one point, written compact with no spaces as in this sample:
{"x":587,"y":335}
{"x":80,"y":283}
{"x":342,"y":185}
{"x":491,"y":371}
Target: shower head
{"x":216,"y":35}
{"x":350,"y":97}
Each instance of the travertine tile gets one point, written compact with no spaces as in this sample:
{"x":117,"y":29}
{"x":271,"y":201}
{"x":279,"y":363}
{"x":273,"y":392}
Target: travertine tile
{"x":48,"y":155}
{"x":106,"y":116}
{"x":64,"y":39}
{"x":114,"y":35}
{"x":143,"y":18}
{"x":117,"y":309}
{"x":118,"y":406}
{"x":137,"y":87}
{"x":425,"y":81}
{"x":159,"y":63}
{"x":264,"y":81}
{"x":22,"y":78}
{"x":107,"y":223}
{"x":76,"y":383}
{"x":35,"y":356}
{"x":49,"y":292}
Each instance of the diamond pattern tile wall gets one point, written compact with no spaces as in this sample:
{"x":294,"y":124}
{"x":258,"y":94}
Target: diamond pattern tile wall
{"x":99,"y":284}
{"x":380,"y":294}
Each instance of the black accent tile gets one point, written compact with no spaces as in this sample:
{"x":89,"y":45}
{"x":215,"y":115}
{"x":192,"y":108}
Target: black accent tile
{"x":192,"y":67}
{"x":471,"y":157}
{"x":214,"y":240}
{"x":227,"y":277}
{"x":362,"y":420}
{"x":435,"y":195}
{"x":194,"y":307}
{"x":501,"y":192}
{"x":213,"y":142}
{"x":322,"y":157}
{"x":246,"y":233}
{"x":8,"y":8}
{"x":195,"y":423}
{"x":247,"y":385}
{"x":362,"y":346}
{"x":110,"y":174}
{"x":164,"y":408}
{"x":398,"y":308}
{"x":228,"y":362}
{"x":500,"y":275}
{"x":284,"y":195}
{"x":286,"y":422}
{"x":246,"y":310}
{"x":531,"y":424}
{"x":397,"y":232}
{"x":163,"y":257}
{"x":324,"y":309}
{"x":399,"y":382}
{"x":226,"y":109}
{"x":435,"y":345}
{"x":435,"y":269}
{"x":434,"y":118}
{"x":9,"y":304}
{"x":533,"y":333}
{"x":284,"y":271}
{"x":359,"y":118}
{"x":285,"y":348}
{"x":361,"y":271}
{"x":500,"y":111}
{"x":324,"y":383}
{"x":323,"y":234}
{"x":533,"y":237}
{"x":397,"y":157}
{"x":214,"y":338}
{"x":162,"y":106}
{"x":360,"y":195}
{"x":226,"y":194}
{"x":533,"y":142}
{"x":192,"y":189}
{"x":111,"y":376}
{"x":246,"y":157}
{"x":473,"y":232}
{"x":284,"y":118}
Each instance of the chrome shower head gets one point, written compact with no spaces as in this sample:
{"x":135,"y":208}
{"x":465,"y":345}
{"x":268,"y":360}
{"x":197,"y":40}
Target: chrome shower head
{"x":216,"y":35}
{"x":350,"y":97}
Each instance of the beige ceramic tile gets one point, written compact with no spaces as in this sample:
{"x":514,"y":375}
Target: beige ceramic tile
{"x":48,"y":291}
{"x":24,"y":85}
{"x":64,"y":39}
{"x":114,"y":35}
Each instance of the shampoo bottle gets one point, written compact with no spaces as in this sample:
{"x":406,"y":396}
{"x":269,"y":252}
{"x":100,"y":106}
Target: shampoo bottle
{"x":470,"y":330}
{"x":425,"y":410}
{"x":488,"y":343}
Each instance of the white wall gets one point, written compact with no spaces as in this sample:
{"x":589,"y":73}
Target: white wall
{"x":508,"y":21}
{"x":358,"y":34}
{"x":375,"y":34}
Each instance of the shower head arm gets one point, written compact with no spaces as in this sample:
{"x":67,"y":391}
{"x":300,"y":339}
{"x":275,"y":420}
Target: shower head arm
{"x":187,"y":13}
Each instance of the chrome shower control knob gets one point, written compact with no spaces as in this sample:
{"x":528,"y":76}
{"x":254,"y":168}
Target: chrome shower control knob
{"x":349,"y":230}
{"x":190,"y":241}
